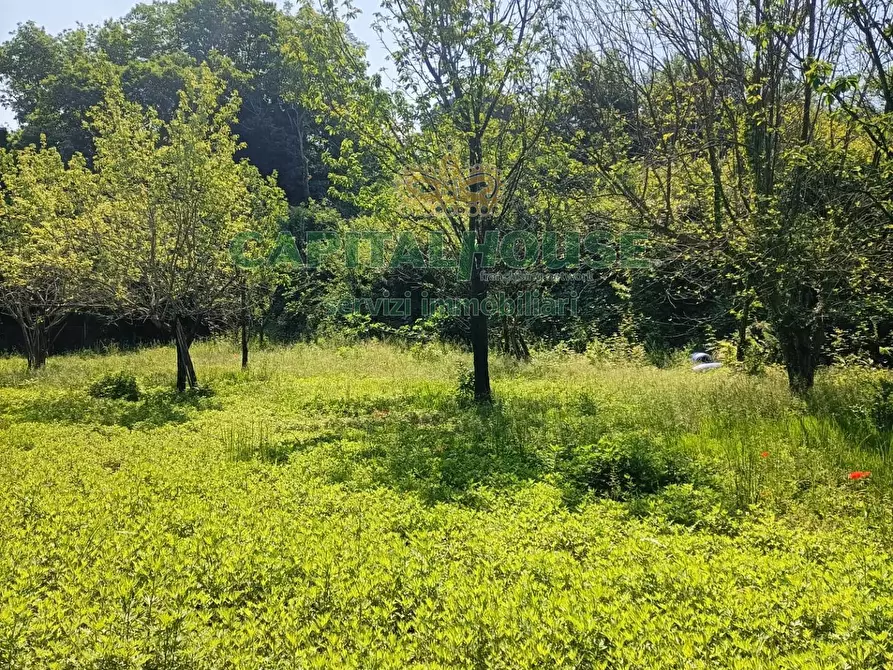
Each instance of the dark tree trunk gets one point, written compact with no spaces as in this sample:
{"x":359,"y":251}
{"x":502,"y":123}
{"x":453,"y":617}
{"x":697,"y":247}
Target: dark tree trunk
{"x":800,"y":347}
{"x":801,"y":336}
{"x":478,"y":334}
{"x":513,"y":343}
{"x":36,"y":343}
{"x":244,"y":346}
{"x":523,"y":352}
{"x":304,"y":186}
{"x":296,"y":116}
{"x":506,"y":337}
{"x":244,"y":320}
{"x":185,"y":368}
{"x":478,"y":327}
{"x":743,"y":323}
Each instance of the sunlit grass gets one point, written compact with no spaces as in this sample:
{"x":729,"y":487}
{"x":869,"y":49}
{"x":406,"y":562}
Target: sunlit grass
{"x":341,"y":506}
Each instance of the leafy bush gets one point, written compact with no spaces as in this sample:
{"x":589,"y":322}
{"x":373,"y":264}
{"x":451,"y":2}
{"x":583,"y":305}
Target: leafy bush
{"x":465,"y":386}
{"x":623,"y":464}
{"x":685,"y":504}
{"x":116,"y":386}
{"x":616,"y":350}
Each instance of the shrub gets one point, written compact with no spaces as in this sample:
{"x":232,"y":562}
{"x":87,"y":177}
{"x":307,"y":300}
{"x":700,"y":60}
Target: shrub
{"x":116,"y":386}
{"x":465,"y":386}
{"x":621,"y":465}
{"x":616,"y":350}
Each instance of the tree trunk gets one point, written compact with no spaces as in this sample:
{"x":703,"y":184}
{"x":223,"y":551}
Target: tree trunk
{"x":478,"y":333}
{"x":513,"y":340}
{"x":523,"y":351}
{"x":36,"y":343}
{"x":296,"y":116}
{"x":799,"y":348}
{"x":743,"y":323}
{"x":478,"y":327}
{"x":304,"y":191}
{"x":801,"y":336}
{"x":244,"y":319}
{"x":185,"y":368}
{"x":244,"y":345}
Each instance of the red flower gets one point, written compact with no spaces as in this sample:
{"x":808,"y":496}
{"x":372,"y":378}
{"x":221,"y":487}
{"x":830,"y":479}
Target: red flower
{"x":765,"y":454}
{"x":859,"y":474}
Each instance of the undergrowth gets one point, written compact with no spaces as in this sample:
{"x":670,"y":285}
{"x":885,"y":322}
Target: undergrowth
{"x":346,"y":506}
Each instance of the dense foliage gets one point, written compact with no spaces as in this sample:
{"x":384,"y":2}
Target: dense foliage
{"x":750,"y":144}
{"x":362,"y":494}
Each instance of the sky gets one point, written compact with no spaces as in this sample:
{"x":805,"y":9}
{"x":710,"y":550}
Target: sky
{"x":58,"y":15}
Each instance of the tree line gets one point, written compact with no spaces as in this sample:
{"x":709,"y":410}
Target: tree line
{"x":752,"y":142}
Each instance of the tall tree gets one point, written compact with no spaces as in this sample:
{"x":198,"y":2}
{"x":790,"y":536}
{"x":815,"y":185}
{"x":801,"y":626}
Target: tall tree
{"x":730,"y":118}
{"x":50,"y":246}
{"x":478,"y":76}
{"x":50,"y":82}
{"x":177,"y":198}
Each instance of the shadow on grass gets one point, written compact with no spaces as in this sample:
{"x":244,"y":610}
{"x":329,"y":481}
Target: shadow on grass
{"x":165,"y":406}
{"x":245,"y":443}
{"x":444,"y":453}
{"x":156,"y":408}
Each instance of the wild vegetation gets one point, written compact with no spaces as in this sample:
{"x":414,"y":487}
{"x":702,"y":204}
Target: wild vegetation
{"x":348,"y":506}
{"x":750,"y":145}
{"x":431,"y":489}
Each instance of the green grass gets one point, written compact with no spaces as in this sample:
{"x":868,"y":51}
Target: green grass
{"x":342,"y":507}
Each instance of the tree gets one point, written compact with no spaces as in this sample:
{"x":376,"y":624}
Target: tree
{"x":50,"y":82}
{"x":176,"y":198}
{"x":478,"y":74}
{"x":745,"y":172}
{"x":50,"y":246}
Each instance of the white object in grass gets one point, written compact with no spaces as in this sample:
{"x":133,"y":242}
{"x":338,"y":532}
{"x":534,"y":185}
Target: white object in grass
{"x":704,"y":367}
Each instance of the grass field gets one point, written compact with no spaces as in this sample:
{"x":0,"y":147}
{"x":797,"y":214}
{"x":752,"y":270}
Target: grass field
{"x":345,"y":507}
